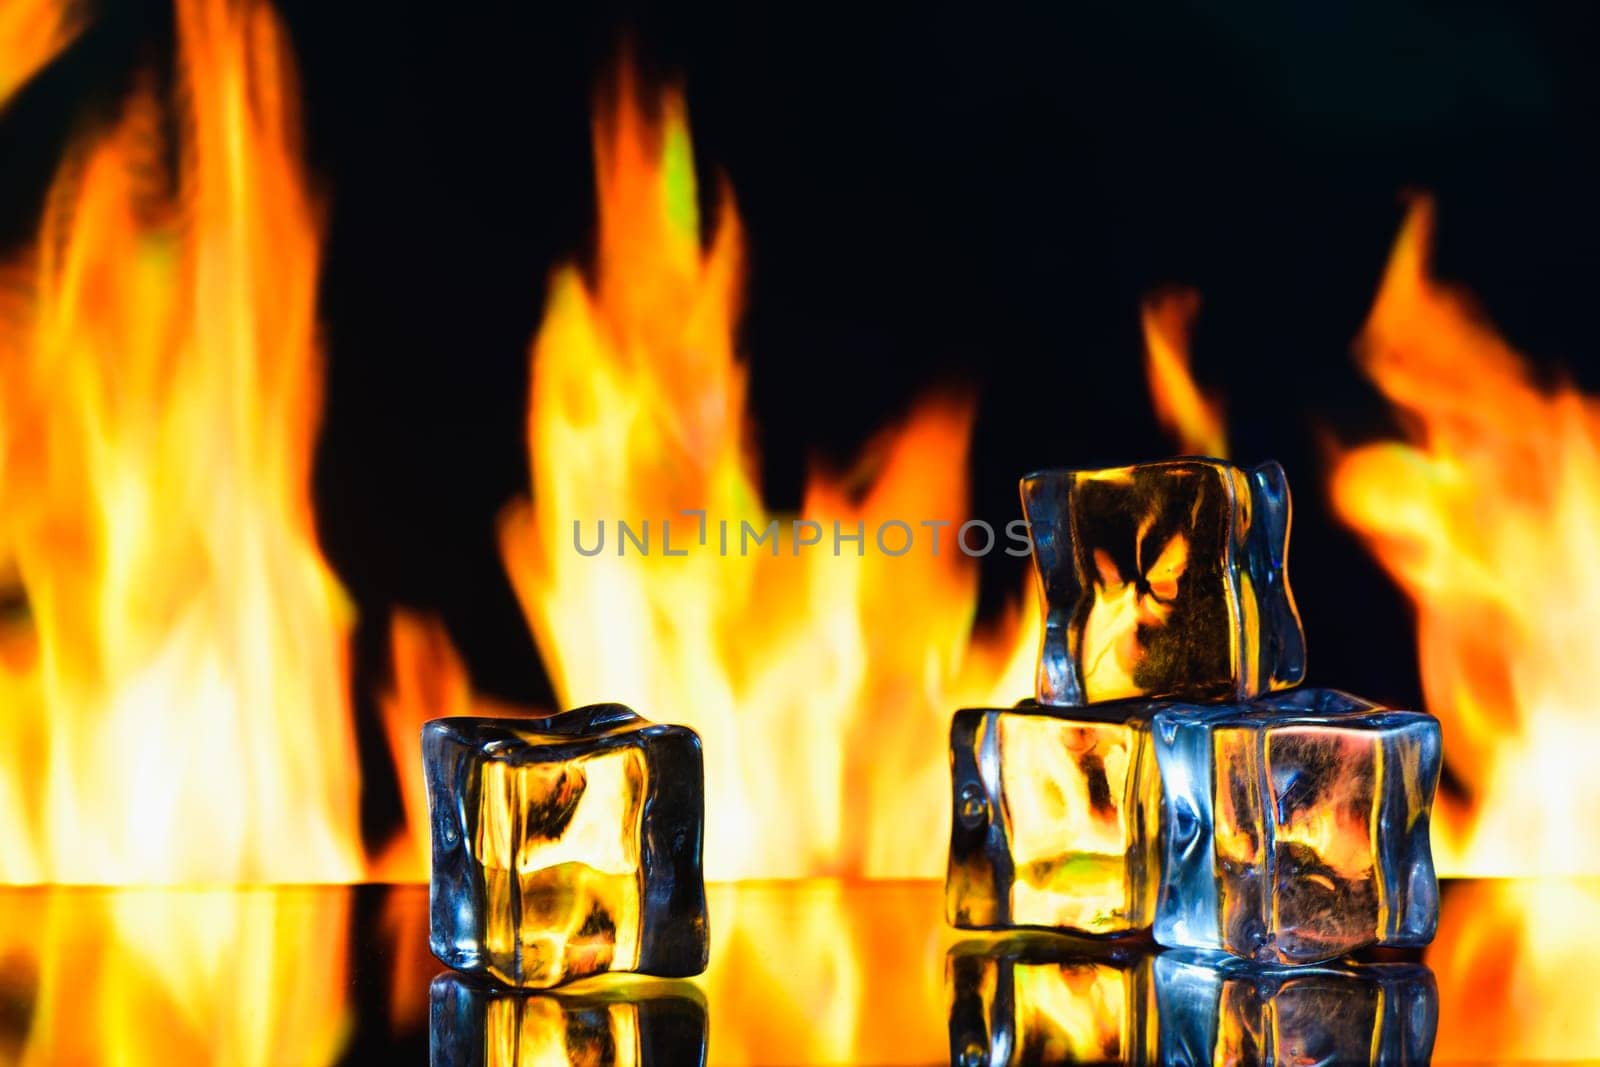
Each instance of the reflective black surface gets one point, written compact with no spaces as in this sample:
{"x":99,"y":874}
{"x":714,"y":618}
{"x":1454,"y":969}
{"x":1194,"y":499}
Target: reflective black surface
{"x":801,"y":973}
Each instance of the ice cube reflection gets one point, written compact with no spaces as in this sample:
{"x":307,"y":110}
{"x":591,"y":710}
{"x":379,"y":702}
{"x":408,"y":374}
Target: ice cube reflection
{"x":611,"y":1022}
{"x":1041,"y":998}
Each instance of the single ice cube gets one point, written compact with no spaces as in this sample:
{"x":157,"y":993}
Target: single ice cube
{"x":1040,"y":998}
{"x":1054,"y":819}
{"x":643,"y":1023}
{"x":566,"y":846}
{"x":1163,"y":579}
{"x":1214,"y":1008}
{"x":1296,"y":827}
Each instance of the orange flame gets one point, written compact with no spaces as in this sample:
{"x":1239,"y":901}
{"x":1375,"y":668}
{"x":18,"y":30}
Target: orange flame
{"x":1515,"y":964}
{"x":31,"y":33}
{"x":173,"y":666}
{"x":1488,"y":516}
{"x":822,"y":683}
{"x":178,"y":975}
{"x":172,"y":644}
{"x":1194,"y":418}
{"x":430,"y":681}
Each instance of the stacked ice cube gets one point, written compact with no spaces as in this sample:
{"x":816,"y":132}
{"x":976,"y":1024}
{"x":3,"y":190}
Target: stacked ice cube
{"x":1168,"y":778}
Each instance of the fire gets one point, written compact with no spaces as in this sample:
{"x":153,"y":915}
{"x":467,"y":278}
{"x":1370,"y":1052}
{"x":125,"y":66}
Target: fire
{"x":811,"y":972}
{"x":1515,"y":962}
{"x":177,"y":975}
{"x":1122,"y":610}
{"x":172,"y":653}
{"x":1074,"y":1012}
{"x":172,"y":645}
{"x":822,"y":684}
{"x":31,"y":33}
{"x":1193,"y":417}
{"x":1488,"y":516}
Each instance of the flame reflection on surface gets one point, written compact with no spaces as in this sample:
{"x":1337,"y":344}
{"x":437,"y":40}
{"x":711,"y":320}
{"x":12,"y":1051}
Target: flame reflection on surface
{"x":174,"y":976}
{"x":1518,"y":963}
{"x":178,"y":976}
{"x":180,"y":637}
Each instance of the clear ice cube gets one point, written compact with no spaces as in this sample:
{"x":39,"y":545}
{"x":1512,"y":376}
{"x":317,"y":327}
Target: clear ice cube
{"x":1163,"y":580}
{"x":1214,"y":1008}
{"x":1037,"y":999}
{"x":645,"y":1023}
{"x":1296,"y":827}
{"x":566,"y":846}
{"x":1290,"y":829}
{"x":1054,"y":820}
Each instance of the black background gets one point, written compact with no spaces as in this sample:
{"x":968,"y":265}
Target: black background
{"x":960,"y":194}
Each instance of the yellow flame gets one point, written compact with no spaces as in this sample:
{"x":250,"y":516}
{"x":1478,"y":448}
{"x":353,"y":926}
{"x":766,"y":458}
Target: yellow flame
{"x":1121,"y":610}
{"x":564,"y":839}
{"x":822,"y":684}
{"x":1070,"y":845}
{"x":1074,"y":1012}
{"x":798,"y":972}
{"x":173,"y":665}
{"x":430,"y":681}
{"x":1515,"y":966}
{"x":1488,"y":516}
{"x":1193,"y":417}
{"x":163,"y":976}
{"x":32,"y":32}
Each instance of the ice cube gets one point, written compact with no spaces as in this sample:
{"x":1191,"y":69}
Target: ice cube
{"x":1054,"y":820}
{"x":1213,"y":1008}
{"x":1035,"y":999}
{"x":1296,"y":827}
{"x":1038,"y":998}
{"x":1291,"y":829}
{"x":566,"y":846}
{"x":1163,"y":580}
{"x":643,"y":1023}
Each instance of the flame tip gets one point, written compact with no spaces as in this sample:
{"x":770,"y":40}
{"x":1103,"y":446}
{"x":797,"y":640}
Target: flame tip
{"x":1193,"y":416}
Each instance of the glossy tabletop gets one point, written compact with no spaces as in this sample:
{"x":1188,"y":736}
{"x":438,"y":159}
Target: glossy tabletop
{"x":814,"y":972}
